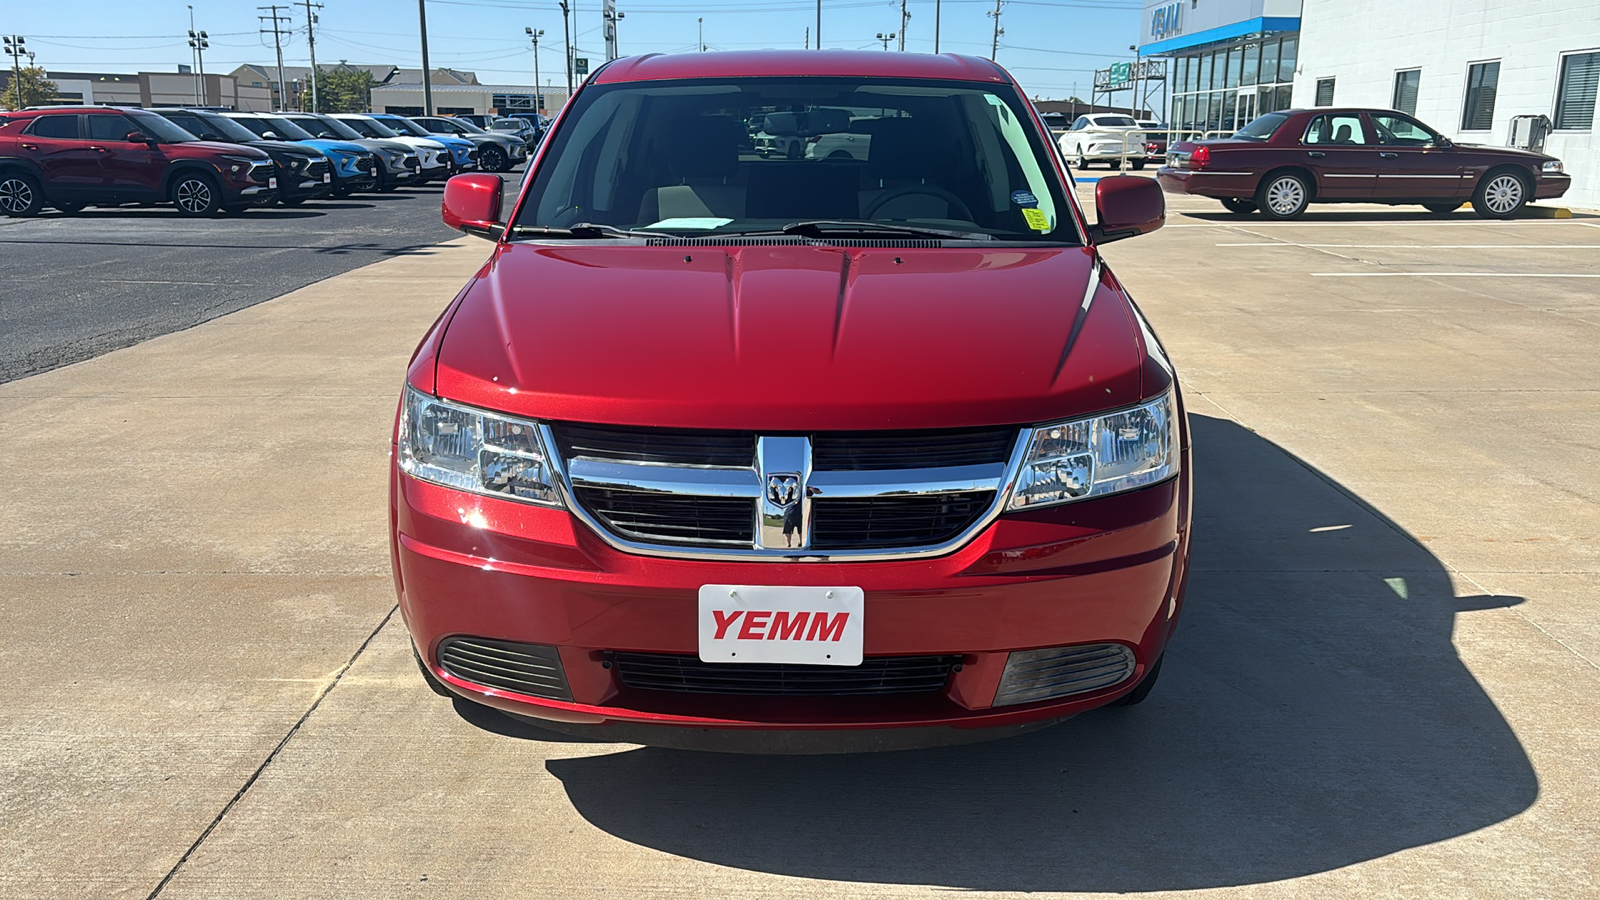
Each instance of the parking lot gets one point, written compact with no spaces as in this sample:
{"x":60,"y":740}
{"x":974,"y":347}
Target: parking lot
{"x":1385,"y":682}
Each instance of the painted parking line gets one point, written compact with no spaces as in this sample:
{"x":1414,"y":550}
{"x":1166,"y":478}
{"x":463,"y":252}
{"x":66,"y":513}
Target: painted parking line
{"x":1414,"y":246}
{"x":1450,"y":275}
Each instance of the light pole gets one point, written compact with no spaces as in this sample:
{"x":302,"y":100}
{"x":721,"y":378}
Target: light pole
{"x":16,"y":47}
{"x":611,"y":17}
{"x":197,"y":40}
{"x":936,"y":26}
{"x":886,"y":38}
{"x":427,"y":74}
{"x":702,"y":24}
{"x":819,"y":24}
{"x":534,"y":36}
{"x":566,"y":38}
{"x":193,"y":59}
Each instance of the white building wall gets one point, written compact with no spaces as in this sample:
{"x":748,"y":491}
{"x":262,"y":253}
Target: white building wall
{"x":1362,"y":43}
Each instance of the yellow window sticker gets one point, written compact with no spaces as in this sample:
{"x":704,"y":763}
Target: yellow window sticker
{"x":1037,"y":220}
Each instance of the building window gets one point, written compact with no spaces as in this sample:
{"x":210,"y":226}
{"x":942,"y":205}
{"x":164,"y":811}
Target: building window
{"x":1477,"y":114}
{"x":1575,"y":98}
{"x":1286,"y":59}
{"x":1324,"y":92}
{"x":513,"y":102}
{"x":1405,"y":90}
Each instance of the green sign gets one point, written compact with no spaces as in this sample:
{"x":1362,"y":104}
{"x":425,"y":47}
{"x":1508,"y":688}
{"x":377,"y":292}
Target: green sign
{"x":581,"y":65}
{"x":1121,"y":73}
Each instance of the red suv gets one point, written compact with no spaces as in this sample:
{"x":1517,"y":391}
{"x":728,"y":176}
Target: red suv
{"x":71,"y":158}
{"x":728,"y":451}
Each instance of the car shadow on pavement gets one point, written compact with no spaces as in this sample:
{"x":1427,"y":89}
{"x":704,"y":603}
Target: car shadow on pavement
{"x":1313,"y":714}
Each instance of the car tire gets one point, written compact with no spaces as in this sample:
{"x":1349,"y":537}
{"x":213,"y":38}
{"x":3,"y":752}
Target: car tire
{"x":70,"y":209}
{"x":195,"y":193}
{"x":1137,"y":164}
{"x":1284,"y":195}
{"x":1137,"y":695}
{"x":385,"y":185}
{"x":1116,"y":165}
{"x":434,"y":684}
{"x":292,"y":201}
{"x":1239,"y":205}
{"x":1440,"y":209}
{"x":1082,"y":161}
{"x":493,"y":159}
{"x":20,"y":195}
{"x":1500,"y":195}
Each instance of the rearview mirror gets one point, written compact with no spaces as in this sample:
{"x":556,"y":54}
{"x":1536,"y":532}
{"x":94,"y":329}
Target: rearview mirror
{"x":1126,"y":206}
{"x":472,"y":205}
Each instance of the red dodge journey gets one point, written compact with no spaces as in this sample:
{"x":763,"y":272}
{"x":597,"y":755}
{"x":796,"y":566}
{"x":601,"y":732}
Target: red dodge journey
{"x":850,"y":442}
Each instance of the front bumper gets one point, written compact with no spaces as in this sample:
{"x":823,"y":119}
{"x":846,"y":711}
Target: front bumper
{"x":1103,"y":571}
{"x":1551,"y":186}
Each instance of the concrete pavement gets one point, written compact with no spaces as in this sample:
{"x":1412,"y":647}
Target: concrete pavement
{"x":1385,"y":684}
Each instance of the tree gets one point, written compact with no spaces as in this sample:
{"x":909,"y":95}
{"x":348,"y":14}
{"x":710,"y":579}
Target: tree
{"x":32,"y":89}
{"x":343,"y":89}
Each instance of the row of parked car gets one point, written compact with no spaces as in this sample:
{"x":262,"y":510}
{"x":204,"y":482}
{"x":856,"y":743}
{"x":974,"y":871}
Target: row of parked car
{"x":206,"y":161}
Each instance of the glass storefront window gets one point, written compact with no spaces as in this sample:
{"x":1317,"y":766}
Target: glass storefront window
{"x":1203,"y":83}
{"x":1235,"y":56}
{"x":1269,"y":62}
{"x":1286,"y":58}
{"x":1252,"y":63}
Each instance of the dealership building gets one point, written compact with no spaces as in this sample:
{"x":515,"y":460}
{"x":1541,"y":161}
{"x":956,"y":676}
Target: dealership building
{"x":1497,"y":72}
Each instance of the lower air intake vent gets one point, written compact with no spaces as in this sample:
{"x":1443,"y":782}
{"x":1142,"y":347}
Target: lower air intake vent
{"x":530,"y":669}
{"x":875,"y":675}
{"x":1062,"y":671}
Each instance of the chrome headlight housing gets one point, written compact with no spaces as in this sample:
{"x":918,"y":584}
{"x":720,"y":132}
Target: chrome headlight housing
{"x":1551,"y":167}
{"x":1085,"y":458}
{"x":473,"y":450}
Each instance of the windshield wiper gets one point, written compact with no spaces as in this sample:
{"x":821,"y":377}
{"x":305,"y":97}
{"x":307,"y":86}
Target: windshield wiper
{"x":836,"y":227}
{"x":580,"y":230}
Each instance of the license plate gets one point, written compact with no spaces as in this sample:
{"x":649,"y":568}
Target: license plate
{"x":326,"y":178}
{"x":272,"y":183}
{"x":818,"y":626}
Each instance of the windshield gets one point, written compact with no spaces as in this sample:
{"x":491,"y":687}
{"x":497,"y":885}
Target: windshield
{"x":285,"y":129}
{"x":227,"y":128}
{"x":405,"y":126}
{"x":1263,"y":128}
{"x":163,"y":131}
{"x":466,"y":126}
{"x":757,"y":154}
{"x":330,"y":129}
{"x":507,"y":125}
{"x":367,"y":127}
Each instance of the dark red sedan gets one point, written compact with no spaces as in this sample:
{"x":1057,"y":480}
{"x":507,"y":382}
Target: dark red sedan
{"x":1284,"y":161}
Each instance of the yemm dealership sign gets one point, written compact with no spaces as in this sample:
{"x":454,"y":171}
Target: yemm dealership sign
{"x":1166,"y":21}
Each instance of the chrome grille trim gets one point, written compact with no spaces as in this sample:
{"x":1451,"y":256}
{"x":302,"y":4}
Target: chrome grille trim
{"x":750,"y":482}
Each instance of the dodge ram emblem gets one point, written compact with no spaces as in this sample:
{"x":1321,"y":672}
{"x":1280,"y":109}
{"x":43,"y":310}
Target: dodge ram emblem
{"x":783,"y":490}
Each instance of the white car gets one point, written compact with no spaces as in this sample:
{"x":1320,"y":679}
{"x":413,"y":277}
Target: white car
{"x":1103,"y":137}
{"x":433,"y":156}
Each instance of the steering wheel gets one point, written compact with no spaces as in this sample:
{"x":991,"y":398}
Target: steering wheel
{"x":928,"y":190}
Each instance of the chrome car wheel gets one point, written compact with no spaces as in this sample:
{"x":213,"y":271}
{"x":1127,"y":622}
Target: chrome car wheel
{"x":1500,"y":196}
{"x":194,"y":196}
{"x":18,"y":197}
{"x":1284,"y":197}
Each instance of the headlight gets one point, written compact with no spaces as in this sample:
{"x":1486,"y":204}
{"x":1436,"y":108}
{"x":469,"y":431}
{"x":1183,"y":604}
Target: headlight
{"x":473,"y":450}
{"x":1086,"y":458}
{"x":1552,"y":167}
{"x":393,"y":156}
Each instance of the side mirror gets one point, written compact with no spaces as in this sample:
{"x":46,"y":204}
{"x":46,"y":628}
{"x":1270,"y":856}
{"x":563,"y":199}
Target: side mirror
{"x":269,"y":135}
{"x":137,"y":137}
{"x":472,"y":205}
{"x":1126,"y":206}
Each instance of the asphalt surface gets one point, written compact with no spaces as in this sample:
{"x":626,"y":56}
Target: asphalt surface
{"x":79,"y":286}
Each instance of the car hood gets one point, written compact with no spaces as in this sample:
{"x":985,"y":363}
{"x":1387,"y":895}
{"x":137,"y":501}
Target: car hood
{"x":413,"y":141}
{"x":337,"y":146}
{"x":289,"y":147}
{"x":244,"y":150}
{"x":790,"y":337}
{"x":385,"y":144}
{"x":1512,"y":152}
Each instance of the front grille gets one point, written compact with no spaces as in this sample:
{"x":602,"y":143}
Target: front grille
{"x":317,"y":168}
{"x":682,"y":447}
{"x":895,"y":522}
{"x":869,"y":450}
{"x":877,"y":675}
{"x":672,"y":518}
{"x":367,"y":163}
{"x":530,"y":669}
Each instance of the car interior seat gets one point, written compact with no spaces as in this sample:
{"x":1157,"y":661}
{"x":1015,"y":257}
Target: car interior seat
{"x":905,"y":152}
{"x":699,"y":171}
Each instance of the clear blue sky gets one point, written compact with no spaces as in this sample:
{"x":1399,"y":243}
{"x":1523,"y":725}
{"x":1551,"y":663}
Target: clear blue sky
{"x":1049,"y":45}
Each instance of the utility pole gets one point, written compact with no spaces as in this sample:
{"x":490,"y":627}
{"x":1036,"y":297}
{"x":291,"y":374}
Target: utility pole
{"x":819,"y":24}
{"x":427,"y":73}
{"x":534,"y":36}
{"x":808,"y":37}
{"x":994,"y":48}
{"x":936,"y":4}
{"x":311,"y":43}
{"x":905,"y":19}
{"x":609,"y":19}
{"x":886,"y":38}
{"x":277,"y":42}
{"x":193,"y":57}
{"x":566,"y":38}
